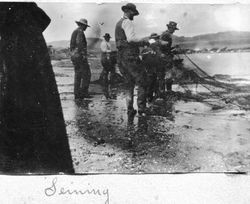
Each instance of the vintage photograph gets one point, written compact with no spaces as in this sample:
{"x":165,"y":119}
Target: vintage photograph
{"x":124,"y":88}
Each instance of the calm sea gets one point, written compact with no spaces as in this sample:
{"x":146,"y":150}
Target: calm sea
{"x":234,"y":64}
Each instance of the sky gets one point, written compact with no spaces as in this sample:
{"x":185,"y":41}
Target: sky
{"x":192,"y":19}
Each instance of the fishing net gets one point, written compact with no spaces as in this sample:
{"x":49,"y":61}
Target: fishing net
{"x":194,"y":80}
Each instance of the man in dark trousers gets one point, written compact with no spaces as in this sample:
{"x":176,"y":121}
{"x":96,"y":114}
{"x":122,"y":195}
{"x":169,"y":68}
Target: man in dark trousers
{"x":151,"y":57}
{"x":78,"y":48}
{"x":167,"y":58}
{"x":33,"y":134}
{"x":129,"y":62}
{"x":108,"y":62}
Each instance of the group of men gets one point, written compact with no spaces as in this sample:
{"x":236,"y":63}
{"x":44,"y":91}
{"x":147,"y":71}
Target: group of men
{"x":32,"y":127}
{"x":142,"y":62}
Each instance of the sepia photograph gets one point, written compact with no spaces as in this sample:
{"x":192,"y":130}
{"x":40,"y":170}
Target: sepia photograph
{"x":124,"y":88}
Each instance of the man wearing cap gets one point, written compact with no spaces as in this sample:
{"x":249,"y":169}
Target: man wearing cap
{"x":106,"y":60}
{"x":78,"y":48}
{"x":150,"y":57}
{"x":129,"y":62}
{"x":166,"y":57}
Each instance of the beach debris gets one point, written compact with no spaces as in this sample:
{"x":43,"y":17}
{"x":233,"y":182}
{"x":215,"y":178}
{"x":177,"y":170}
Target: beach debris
{"x":110,"y":154}
{"x":187,"y":126}
{"x":99,"y":142}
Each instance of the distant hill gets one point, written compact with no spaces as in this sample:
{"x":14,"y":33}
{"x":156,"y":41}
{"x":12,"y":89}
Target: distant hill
{"x":93,"y":44}
{"x":229,"y":39}
{"x":59,"y":44}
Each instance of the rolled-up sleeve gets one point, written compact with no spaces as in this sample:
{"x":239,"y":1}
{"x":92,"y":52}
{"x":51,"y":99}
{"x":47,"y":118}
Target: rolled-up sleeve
{"x":129,"y":29}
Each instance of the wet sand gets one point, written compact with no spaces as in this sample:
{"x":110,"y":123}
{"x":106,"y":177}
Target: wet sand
{"x":181,"y":135}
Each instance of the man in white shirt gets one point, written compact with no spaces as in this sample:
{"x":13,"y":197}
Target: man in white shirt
{"x":106,"y":60}
{"x":129,"y":62}
{"x":105,"y":45}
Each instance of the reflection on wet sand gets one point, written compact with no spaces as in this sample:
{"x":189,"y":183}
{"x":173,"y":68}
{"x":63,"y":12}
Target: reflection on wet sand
{"x":181,"y":134}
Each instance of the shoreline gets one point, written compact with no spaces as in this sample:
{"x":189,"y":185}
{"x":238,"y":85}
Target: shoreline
{"x":185,"y":133}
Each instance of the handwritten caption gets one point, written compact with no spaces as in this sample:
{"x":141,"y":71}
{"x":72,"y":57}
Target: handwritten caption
{"x":54,"y":189}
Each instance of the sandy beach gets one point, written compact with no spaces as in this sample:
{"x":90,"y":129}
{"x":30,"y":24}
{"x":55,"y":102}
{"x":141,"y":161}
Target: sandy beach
{"x":183,"y":134}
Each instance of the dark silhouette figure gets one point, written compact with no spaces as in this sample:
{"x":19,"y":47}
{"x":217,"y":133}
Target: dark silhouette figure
{"x":33,"y":134}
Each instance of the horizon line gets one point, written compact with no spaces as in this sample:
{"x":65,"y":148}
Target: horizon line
{"x":174,"y":35}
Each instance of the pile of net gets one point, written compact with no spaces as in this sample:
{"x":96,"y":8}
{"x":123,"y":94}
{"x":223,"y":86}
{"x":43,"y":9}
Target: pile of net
{"x":184,"y":75}
{"x":193,"y":79}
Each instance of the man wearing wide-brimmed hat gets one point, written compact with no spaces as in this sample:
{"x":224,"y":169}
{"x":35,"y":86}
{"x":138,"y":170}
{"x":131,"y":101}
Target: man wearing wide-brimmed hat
{"x":129,"y":62}
{"x":78,"y":48}
{"x":167,"y":58}
{"x":107,"y":60}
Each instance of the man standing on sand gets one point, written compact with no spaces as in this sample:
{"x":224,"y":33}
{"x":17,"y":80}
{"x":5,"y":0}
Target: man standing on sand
{"x":151,"y":58}
{"x":167,"y":57}
{"x":129,"y":62}
{"x":108,"y":66}
{"x":108,"y":63}
{"x":78,"y":48}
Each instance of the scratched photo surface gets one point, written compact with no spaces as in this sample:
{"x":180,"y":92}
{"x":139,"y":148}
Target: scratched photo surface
{"x":124,"y":88}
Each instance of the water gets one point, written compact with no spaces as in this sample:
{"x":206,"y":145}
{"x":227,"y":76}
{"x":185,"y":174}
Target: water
{"x":237,"y":65}
{"x":175,"y":138}
{"x":234,"y":64}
